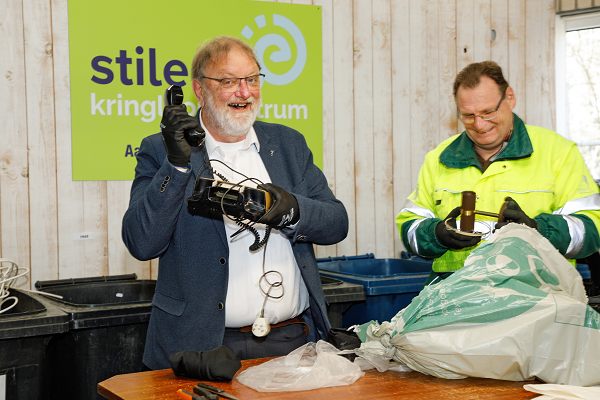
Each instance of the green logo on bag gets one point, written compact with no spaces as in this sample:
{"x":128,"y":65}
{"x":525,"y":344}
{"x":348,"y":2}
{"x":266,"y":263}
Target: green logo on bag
{"x":507,"y":275}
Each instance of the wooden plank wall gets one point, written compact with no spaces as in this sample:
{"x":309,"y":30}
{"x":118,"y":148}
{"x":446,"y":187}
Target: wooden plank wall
{"x":388,"y":68}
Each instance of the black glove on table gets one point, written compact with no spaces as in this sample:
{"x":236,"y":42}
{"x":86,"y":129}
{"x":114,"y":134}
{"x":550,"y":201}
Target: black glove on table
{"x":513,"y":213}
{"x":174,"y":123}
{"x":451,"y":239}
{"x":284,"y":211}
{"x":219,"y":364}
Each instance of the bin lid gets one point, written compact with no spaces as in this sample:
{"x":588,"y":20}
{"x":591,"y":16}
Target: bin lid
{"x":105,"y":303}
{"x":43,"y":285}
{"x":31,"y":316}
{"x":375,"y":286}
{"x":338,"y":291}
{"x":103,"y":294}
{"x":377,"y":267}
{"x":346,"y":258}
{"x":327,"y":281}
{"x":380,"y":276}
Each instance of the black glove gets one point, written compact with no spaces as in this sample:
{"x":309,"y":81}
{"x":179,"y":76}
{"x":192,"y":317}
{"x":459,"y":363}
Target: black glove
{"x":174,"y":122}
{"x":219,"y":364}
{"x":513,"y":213}
{"x":451,"y":239}
{"x":343,"y":339}
{"x":284,"y":211}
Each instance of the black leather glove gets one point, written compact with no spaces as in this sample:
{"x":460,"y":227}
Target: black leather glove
{"x":219,"y":364}
{"x":174,"y":122}
{"x":284,"y":211}
{"x":513,"y":213}
{"x":451,"y":239}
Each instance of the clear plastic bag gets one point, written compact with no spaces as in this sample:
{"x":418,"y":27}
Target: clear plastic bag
{"x":312,"y":366}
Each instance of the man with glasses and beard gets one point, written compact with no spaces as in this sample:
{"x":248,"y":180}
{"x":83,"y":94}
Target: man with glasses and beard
{"x":211,"y":287}
{"x":540,"y":174}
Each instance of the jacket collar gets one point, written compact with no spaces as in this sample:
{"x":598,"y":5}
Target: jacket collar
{"x":461,"y":153}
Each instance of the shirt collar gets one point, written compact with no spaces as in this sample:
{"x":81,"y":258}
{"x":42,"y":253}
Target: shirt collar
{"x":461,"y":154}
{"x":213,"y":145}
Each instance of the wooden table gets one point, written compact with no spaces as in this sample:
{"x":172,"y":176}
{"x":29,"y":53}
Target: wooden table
{"x":163,"y":385}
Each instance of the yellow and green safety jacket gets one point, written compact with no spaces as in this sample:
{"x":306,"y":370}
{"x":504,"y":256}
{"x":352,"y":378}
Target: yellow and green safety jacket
{"x":542,"y":171}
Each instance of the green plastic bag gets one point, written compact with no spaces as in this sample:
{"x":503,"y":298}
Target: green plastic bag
{"x":516,"y":311}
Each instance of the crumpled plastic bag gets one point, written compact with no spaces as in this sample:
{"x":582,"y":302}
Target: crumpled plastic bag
{"x":312,"y":366}
{"x":516,"y":311}
{"x":564,"y":392}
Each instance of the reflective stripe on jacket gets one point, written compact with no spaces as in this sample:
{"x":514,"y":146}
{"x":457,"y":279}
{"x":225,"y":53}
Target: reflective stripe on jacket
{"x":542,"y":171}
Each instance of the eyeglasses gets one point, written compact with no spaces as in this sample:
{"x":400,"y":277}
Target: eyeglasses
{"x":231,"y":84}
{"x":469,"y":119}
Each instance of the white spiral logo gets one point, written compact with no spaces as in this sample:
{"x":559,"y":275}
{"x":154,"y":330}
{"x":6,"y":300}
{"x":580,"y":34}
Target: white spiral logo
{"x":284,"y":52}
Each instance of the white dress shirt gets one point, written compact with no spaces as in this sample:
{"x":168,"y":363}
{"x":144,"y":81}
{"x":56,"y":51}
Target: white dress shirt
{"x":244,"y":297}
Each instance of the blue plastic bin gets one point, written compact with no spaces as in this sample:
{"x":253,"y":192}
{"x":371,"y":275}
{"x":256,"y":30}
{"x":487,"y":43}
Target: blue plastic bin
{"x":390,"y":284}
{"x":584,"y":270}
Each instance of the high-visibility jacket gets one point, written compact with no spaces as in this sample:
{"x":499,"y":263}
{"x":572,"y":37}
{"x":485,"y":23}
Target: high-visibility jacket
{"x":542,"y":171}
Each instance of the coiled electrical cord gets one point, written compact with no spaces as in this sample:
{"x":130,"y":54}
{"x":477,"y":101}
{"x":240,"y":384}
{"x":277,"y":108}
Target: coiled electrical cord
{"x":9,"y":274}
{"x":258,"y":243}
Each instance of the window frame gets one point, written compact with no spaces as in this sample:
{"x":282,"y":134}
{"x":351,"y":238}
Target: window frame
{"x":586,"y":19}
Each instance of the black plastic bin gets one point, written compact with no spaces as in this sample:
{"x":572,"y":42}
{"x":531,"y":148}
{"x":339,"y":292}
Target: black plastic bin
{"x":594,"y":302}
{"x":25,"y":331}
{"x":340,"y":296}
{"x":108,"y":320}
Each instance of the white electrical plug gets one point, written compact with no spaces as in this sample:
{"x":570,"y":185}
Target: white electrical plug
{"x":261,"y":327}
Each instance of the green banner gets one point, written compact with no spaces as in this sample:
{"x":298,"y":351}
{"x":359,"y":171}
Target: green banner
{"x":124,"y":54}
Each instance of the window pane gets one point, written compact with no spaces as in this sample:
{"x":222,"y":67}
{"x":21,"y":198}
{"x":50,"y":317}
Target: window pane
{"x":583,"y":91}
{"x":591,"y":156}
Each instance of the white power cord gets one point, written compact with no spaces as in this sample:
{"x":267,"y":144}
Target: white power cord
{"x":9,"y":272}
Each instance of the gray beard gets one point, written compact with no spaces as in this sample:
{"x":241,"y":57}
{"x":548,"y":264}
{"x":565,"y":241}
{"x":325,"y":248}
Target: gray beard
{"x":226,"y":123}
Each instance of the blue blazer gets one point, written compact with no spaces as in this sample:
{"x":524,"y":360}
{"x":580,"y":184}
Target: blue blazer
{"x":188,"y":306}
